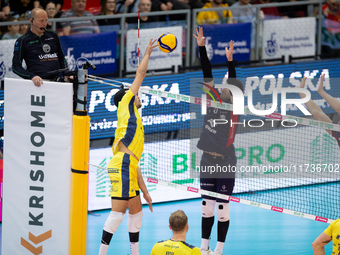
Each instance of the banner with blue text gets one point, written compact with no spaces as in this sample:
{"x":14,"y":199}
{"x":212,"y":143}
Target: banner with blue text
{"x":217,"y":37}
{"x":99,"y":49}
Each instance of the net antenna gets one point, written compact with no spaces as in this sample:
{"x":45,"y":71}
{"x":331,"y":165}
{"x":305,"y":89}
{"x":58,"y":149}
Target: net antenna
{"x":140,"y":91}
{"x":138,"y":36}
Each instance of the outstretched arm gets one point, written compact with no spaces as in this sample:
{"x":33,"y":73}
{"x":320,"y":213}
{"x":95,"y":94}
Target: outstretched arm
{"x":229,"y":55}
{"x":143,"y":188}
{"x":314,"y":109}
{"x":142,"y":68}
{"x":205,"y":63}
{"x":334,"y":103}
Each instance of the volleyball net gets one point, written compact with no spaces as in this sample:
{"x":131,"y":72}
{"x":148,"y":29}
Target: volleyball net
{"x":284,"y":163}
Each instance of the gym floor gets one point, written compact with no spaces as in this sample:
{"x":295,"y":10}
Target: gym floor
{"x":252,"y":230}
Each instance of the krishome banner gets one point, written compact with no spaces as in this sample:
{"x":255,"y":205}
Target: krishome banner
{"x":37,"y":163}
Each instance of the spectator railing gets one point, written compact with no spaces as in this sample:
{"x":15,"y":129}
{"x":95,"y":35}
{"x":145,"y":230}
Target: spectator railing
{"x":258,"y":21}
{"x":191,"y":24}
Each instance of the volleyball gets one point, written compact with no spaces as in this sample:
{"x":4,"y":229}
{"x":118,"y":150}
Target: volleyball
{"x":167,"y":42}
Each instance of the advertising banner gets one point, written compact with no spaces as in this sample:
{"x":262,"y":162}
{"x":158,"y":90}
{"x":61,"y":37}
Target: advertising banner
{"x":37,"y":164}
{"x":279,"y":39}
{"x":158,"y":59}
{"x":217,"y":37}
{"x":6,"y":56}
{"x":169,"y":114}
{"x":99,"y":49}
{"x":100,"y":185}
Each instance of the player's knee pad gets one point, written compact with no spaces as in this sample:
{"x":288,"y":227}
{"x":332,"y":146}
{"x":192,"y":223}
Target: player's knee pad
{"x":208,"y":208}
{"x":223,"y":211}
{"x":135,"y":222}
{"x":113,"y":221}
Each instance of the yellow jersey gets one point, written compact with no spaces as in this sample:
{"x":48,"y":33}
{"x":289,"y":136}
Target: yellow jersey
{"x":170,"y":247}
{"x":130,"y":129}
{"x":333,"y":231}
{"x":212,"y":17}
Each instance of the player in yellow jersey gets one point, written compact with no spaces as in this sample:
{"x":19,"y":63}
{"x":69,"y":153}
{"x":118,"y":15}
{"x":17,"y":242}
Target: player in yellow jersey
{"x":125,"y":175}
{"x":178,"y":223}
{"x":332,"y":233}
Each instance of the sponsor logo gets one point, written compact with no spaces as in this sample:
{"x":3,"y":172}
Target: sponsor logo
{"x":192,"y":189}
{"x":36,"y":41}
{"x":46,"y":48}
{"x":71,"y":62}
{"x":113,"y":170}
{"x":322,"y":219}
{"x":234,"y":199}
{"x":152,"y":180}
{"x":276,"y":209}
{"x":36,"y":240}
{"x":173,"y":185}
{"x":133,"y":60}
{"x":274,"y":115}
{"x":48,"y":56}
{"x":209,"y":48}
{"x":256,"y":204}
{"x":271,"y":47}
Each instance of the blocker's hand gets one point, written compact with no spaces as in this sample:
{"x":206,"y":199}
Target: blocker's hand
{"x":37,"y":81}
{"x":229,"y":52}
{"x":303,"y":82}
{"x":320,"y":88}
{"x":199,"y":37}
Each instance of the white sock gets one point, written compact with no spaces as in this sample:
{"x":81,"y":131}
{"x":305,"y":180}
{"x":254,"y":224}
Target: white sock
{"x":134,"y":248}
{"x":103,"y":249}
{"x":219,"y":247}
{"x":205,"y":244}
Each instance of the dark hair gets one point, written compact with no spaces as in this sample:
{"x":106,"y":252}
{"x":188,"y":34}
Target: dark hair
{"x":49,"y":2}
{"x":235,"y":82}
{"x":178,"y":220}
{"x":103,"y":7}
{"x":11,"y":18}
{"x":23,"y":17}
{"x":119,"y":95}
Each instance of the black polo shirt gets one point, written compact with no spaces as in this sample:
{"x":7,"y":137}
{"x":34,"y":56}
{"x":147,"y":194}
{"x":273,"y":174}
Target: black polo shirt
{"x":41,"y":54}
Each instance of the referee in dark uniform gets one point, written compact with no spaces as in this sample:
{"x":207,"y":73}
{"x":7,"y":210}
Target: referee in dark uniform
{"x":41,"y":50}
{"x":216,"y":142}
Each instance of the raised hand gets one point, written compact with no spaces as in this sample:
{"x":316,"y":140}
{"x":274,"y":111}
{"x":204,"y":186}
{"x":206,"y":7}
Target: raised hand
{"x":320,"y":88}
{"x":303,"y":82}
{"x":150,"y":46}
{"x":199,"y":37}
{"x":229,"y":52}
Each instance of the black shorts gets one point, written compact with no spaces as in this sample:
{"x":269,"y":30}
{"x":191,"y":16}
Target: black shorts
{"x":222,"y":180}
{"x":126,"y":198}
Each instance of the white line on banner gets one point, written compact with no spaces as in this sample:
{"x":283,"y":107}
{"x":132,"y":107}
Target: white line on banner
{"x":229,"y":107}
{"x":233,"y":199}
